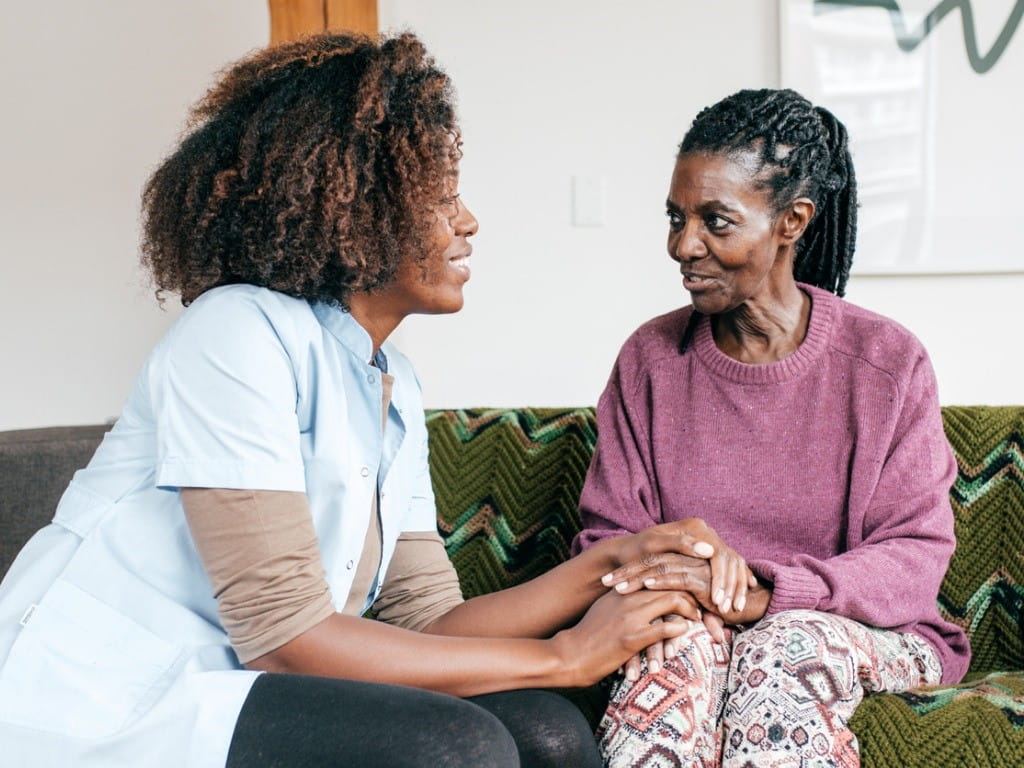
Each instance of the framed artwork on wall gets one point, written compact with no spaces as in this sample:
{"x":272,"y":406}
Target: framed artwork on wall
{"x":932,"y":92}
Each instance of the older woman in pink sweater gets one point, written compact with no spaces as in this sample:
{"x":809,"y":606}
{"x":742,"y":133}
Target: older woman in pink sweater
{"x":802,"y":434}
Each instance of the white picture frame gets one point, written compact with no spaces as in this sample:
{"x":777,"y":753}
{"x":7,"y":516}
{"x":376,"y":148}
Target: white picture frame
{"x":935,"y":126}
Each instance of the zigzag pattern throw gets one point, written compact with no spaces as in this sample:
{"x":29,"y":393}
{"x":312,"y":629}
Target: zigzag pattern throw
{"x":507,"y":484}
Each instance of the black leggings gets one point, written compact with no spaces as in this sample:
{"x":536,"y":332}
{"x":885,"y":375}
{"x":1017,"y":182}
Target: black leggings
{"x":296,"y":721}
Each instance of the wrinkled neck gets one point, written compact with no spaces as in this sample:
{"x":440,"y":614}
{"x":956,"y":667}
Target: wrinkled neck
{"x":764,"y":330}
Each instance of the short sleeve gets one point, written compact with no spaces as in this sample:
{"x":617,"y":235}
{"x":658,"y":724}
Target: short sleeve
{"x":224,"y":397}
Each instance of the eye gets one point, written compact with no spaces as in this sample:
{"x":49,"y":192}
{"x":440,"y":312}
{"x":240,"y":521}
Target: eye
{"x":676,"y":220}
{"x":716,"y":223}
{"x":449,"y":206}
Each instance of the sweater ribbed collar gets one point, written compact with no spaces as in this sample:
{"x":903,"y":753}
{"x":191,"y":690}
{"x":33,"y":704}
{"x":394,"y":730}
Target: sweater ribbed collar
{"x":824,"y":307}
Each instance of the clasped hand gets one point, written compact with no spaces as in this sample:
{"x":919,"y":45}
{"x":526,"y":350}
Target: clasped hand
{"x":688,"y":557}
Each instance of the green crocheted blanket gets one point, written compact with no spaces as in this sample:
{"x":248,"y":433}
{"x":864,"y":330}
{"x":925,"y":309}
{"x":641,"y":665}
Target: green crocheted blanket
{"x":507,"y":483}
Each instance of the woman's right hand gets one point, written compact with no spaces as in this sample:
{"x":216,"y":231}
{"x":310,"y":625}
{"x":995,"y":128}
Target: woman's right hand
{"x":618,"y":626}
{"x":668,"y":556}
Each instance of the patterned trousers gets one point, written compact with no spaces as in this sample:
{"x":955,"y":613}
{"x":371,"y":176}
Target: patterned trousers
{"x":777,"y":695}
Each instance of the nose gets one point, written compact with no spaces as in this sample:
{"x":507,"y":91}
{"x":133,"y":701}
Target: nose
{"x":465,"y":223}
{"x":687,"y":245}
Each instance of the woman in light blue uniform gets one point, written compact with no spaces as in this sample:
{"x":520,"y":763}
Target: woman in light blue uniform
{"x":196,"y":600}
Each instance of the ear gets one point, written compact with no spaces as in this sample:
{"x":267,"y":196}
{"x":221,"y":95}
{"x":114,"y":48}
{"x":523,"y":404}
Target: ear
{"x":794,"y":219}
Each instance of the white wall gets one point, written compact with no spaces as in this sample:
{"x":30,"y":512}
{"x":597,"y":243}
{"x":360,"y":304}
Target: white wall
{"x":95,"y":94}
{"x":604,"y":88}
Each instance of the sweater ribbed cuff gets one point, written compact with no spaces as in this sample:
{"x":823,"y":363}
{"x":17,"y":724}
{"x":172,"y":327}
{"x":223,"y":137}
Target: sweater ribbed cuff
{"x":793,"y":588}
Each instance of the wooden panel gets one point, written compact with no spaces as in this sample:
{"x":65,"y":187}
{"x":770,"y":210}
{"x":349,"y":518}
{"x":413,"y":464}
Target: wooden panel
{"x":291,"y":18}
{"x":352,"y":15}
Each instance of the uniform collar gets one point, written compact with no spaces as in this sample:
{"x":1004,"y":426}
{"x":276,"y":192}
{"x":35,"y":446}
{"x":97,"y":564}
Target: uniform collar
{"x":347,"y":330}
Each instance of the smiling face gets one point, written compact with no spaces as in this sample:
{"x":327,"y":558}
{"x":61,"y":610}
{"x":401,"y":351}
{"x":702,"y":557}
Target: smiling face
{"x":433,"y":285}
{"x":730,"y":243}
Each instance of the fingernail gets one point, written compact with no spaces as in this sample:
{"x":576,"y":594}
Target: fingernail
{"x":703,"y":549}
{"x":653,"y":667}
{"x":606,"y":579}
{"x":649,"y":583}
{"x":719,"y":595}
{"x":622,"y":586}
{"x":632,"y":675}
{"x":727,"y":605}
{"x":740,"y":602}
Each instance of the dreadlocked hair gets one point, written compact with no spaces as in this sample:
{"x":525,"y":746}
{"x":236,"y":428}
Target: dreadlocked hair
{"x":804,"y":152}
{"x":312,"y":168}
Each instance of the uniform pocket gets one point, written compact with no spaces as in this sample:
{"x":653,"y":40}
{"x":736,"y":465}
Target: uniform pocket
{"x":80,"y":668}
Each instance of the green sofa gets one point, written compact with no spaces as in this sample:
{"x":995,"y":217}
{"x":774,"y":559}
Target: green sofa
{"x":507,"y":483}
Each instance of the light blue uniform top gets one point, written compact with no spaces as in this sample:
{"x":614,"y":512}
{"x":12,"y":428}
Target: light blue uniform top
{"x":111,"y":652}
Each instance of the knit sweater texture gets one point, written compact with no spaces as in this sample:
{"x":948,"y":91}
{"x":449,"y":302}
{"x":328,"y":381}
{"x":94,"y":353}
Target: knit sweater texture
{"x":828,"y":470}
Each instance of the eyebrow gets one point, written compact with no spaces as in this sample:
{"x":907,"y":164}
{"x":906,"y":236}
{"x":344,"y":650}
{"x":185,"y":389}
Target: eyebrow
{"x":715,"y":204}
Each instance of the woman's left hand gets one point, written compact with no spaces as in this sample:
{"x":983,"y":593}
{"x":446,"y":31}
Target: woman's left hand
{"x":658,"y":653}
{"x":655,"y":653}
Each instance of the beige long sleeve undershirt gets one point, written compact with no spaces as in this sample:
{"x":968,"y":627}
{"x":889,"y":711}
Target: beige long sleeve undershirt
{"x":261,"y":554}
{"x":260,"y":551}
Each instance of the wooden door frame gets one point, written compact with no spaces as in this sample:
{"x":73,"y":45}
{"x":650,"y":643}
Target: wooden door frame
{"x":292,"y":18}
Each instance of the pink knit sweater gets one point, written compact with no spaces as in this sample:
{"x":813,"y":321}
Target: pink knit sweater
{"x":827,"y":470}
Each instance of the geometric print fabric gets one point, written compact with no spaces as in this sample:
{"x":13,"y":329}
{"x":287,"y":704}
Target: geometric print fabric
{"x":778,"y":695}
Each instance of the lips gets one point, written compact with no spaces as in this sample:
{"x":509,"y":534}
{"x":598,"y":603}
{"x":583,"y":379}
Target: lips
{"x":461,"y":264}
{"x":696,"y":282}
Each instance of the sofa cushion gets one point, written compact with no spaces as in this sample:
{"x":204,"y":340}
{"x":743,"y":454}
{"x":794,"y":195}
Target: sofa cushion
{"x":984,"y":587}
{"x":508,"y":481}
{"x":507,"y":484}
{"x":980,"y":722}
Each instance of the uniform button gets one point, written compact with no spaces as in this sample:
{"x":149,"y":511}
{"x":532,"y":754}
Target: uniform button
{"x":365,"y":471}
{"x":371,"y":378}
{"x":349,"y":564}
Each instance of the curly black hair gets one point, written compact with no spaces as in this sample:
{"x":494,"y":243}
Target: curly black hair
{"x":312,"y":168}
{"x":805,"y":151}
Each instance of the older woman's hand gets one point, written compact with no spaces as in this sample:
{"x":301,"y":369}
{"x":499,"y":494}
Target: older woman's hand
{"x":673,"y":555}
